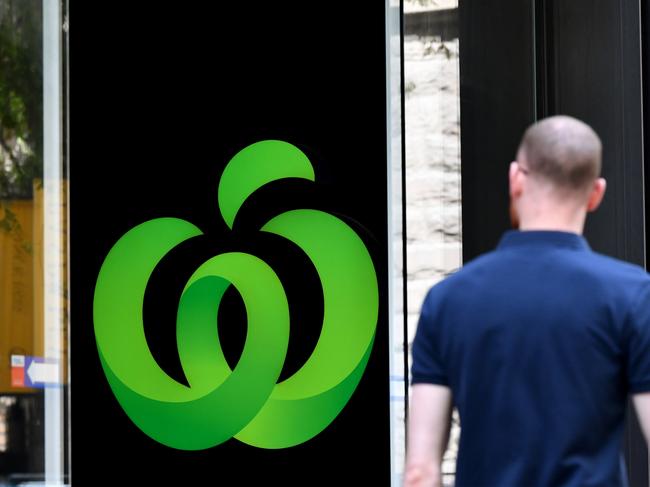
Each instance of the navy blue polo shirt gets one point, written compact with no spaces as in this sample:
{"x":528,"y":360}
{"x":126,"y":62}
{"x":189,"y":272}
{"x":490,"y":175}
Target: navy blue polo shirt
{"x":540,"y":341}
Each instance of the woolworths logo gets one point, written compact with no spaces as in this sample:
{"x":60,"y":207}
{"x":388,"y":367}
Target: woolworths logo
{"x":246,"y":403}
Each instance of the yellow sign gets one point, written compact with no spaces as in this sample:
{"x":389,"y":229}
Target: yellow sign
{"x":22,"y":283}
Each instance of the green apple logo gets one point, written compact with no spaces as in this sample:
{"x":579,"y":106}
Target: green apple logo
{"x":246,"y":403}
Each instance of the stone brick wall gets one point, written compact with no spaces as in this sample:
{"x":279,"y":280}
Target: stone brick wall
{"x":433,"y":184}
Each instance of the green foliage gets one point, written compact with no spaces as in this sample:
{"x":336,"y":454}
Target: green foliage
{"x":21,"y":97}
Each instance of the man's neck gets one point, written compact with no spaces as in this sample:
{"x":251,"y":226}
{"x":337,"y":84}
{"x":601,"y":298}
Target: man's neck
{"x":555,"y":219}
{"x":551,"y":226}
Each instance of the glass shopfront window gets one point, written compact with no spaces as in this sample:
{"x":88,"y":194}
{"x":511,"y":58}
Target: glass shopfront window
{"x":33,"y":245}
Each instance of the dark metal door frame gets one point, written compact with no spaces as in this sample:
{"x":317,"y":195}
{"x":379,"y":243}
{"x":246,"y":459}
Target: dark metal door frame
{"x":521,"y":61}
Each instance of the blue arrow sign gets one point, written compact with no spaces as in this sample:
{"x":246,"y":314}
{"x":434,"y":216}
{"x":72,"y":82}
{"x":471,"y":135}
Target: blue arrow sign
{"x":41,"y":372}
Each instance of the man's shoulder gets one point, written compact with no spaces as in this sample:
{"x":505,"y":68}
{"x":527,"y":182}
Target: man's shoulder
{"x":613,"y":270}
{"x":601,"y":270}
{"x":600,"y":265}
{"x":463,"y":275}
{"x":484,"y":263}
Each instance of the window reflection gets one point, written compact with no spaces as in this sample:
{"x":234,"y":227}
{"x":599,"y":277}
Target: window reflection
{"x":5,"y":404}
{"x":24,"y":220}
{"x":433,"y":184}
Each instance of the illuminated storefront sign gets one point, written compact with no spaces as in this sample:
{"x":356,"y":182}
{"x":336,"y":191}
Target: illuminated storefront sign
{"x":246,"y":402}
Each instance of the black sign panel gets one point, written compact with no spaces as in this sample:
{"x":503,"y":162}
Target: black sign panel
{"x":163,"y":97}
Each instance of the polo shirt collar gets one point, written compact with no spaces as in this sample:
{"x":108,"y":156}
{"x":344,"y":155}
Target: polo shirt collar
{"x":543,"y":238}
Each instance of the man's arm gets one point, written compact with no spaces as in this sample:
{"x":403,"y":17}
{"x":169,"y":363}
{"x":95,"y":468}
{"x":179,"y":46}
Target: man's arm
{"x":428,"y":434}
{"x":642,"y":405}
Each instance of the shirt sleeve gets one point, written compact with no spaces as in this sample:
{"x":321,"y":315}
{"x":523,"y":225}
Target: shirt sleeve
{"x":638,"y":344}
{"x":427,"y":366}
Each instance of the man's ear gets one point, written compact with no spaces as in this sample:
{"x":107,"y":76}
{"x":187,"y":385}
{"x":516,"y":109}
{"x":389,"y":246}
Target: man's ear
{"x":596,"y":195}
{"x":515,"y":180}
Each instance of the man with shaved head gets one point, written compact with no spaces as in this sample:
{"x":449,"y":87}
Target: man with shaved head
{"x":538,"y":343}
{"x":562,"y":157}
